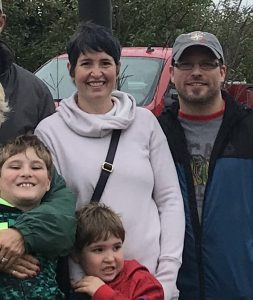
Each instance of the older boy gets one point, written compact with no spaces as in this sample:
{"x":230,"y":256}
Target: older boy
{"x":98,"y":249}
{"x":25,"y":175}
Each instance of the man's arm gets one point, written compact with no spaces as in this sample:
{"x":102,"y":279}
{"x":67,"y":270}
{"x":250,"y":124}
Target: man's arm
{"x":50,"y":228}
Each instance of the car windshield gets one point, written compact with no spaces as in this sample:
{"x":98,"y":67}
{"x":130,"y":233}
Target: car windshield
{"x":56,"y":76}
{"x":138,"y":76}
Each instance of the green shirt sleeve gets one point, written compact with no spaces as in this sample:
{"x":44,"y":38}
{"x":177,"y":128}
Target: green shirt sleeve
{"x":50,"y":228}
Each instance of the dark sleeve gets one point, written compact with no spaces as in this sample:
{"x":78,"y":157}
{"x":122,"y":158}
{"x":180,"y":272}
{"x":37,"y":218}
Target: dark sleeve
{"x":50,"y":228}
{"x":47,"y":106}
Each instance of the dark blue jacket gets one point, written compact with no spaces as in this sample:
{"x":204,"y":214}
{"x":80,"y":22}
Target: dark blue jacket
{"x":218,"y":253}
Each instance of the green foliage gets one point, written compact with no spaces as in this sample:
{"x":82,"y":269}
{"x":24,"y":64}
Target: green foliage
{"x":39,"y":29}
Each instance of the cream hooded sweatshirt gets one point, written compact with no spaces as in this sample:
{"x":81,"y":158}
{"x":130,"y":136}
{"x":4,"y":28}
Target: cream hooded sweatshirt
{"x":143,"y":187}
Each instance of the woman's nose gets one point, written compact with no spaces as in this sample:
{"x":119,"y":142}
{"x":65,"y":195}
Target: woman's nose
{"x":96,"y":71}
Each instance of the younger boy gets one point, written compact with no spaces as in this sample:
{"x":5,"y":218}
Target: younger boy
{"x":25,"y":174}
{"x":98,"y":249}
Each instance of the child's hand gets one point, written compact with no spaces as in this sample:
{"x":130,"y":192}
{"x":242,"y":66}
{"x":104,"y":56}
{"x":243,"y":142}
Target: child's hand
{"x":88,"y":284}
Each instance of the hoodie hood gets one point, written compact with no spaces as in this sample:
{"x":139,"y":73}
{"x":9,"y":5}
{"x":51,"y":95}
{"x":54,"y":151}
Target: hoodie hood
{"x":120,"y":116}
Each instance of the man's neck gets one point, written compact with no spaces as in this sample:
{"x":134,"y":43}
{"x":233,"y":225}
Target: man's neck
{"x":202,"y":109}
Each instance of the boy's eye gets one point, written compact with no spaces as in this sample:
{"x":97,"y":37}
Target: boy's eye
{"x":14,"y":167}
{"x":97,"y":250}
{"x":37,"y":167}
{"x":117,"y":247}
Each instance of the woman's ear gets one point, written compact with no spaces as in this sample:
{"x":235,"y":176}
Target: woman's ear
{"x":118,"y":69}
{"x":70,"y":72}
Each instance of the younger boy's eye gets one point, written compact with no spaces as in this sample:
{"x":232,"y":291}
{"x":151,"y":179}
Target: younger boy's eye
{"x":117,"y":247}
{"x":97,"y":250}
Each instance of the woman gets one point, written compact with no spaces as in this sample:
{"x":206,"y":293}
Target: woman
{"x":143,"y":187}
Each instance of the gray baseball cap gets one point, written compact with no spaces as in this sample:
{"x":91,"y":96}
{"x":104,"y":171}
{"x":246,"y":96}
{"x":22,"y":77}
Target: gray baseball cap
{"x":197,"y":38}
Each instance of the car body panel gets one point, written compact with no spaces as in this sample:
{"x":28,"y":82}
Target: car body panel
{"x":144,"y":74}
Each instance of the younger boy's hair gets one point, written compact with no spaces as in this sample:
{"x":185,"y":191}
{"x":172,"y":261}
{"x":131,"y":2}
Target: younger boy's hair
{"x":95,"y":222}
{"x":20,"y":144}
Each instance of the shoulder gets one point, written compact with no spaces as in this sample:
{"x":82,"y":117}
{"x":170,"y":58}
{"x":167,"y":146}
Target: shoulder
{"x":24,"y":74}
{"x":145,"y":117}
{"x":48,"y":122}
{"x":139,"y":273}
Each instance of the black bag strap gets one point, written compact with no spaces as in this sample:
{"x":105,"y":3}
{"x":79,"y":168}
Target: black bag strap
{"x":107,"y":166}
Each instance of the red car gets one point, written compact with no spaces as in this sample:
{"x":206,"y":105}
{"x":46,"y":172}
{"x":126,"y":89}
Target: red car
{"x":144,"y":74}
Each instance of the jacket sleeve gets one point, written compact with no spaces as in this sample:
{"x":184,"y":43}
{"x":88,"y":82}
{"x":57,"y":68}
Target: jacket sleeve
{"x":145,"y":288}
{"x":168,"y":198}
{"x":46,"y":104}
{"x":50,"y":228}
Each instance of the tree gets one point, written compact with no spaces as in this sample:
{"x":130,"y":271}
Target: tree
{"x":39,"y":29}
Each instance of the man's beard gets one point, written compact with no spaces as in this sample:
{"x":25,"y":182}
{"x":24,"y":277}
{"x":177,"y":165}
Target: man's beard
{"x":192,"y":98}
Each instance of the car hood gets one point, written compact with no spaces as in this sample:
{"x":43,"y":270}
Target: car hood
{"x":95,"y":125}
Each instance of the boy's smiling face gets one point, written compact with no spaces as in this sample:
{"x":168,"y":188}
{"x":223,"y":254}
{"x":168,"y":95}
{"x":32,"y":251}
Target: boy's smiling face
{"x":103,"y":259}
{"x":24,"y":180}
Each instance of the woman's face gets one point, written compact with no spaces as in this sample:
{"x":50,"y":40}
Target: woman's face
{"x":95,"y":77}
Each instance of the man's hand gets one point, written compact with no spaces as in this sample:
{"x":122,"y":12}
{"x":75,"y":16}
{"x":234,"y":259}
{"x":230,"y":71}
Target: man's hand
{"x":88,"y":284}
{"x":23,"y":267}
{"x":11,"y":246}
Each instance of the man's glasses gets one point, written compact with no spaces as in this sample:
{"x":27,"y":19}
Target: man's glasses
{"x":203,"y":65}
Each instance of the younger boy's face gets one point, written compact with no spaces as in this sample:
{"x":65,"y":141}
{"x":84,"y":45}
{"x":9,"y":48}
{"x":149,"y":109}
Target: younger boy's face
{"x":24,"y":180}
{"x":103,"y":259}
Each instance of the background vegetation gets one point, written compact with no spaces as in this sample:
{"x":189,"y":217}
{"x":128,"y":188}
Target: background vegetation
{"x":38,"y":29}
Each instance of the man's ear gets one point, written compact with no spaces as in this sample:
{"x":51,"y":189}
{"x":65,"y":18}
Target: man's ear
{"x":2,"y":21}
{"x":172,"y":74}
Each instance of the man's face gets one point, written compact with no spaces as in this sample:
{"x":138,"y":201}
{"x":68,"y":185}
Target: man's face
{"x":2,"y":21}
{"x":201,"y":83}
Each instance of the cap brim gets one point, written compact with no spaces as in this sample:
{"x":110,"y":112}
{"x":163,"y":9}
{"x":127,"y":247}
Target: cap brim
{"x":177,"y":55}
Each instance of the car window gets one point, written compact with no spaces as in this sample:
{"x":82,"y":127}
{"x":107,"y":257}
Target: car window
{"x":56,"y":76}
{"x":139,"y":77}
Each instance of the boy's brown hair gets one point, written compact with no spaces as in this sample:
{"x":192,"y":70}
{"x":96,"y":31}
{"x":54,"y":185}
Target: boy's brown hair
{"x":95,"y":222}
{"x":21,"y":144}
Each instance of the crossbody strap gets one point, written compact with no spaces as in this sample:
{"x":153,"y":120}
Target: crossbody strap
{"x":107,"y":166}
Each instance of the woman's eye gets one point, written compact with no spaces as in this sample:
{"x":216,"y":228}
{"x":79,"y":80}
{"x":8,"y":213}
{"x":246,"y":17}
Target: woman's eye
{"x":106,"y":63}
{"x":85,"y":63}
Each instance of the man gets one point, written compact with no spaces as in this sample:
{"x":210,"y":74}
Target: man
{"x":211,"y":140}
{"x":29,"y":99}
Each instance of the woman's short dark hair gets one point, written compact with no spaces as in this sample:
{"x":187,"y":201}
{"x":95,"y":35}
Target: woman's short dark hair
{"x":92,"y":37}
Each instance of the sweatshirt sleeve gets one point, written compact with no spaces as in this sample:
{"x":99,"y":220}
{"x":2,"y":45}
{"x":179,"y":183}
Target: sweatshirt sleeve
{"x":168,"y":198}
{"x":50,"y":228}
{"x":146,"y":288}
